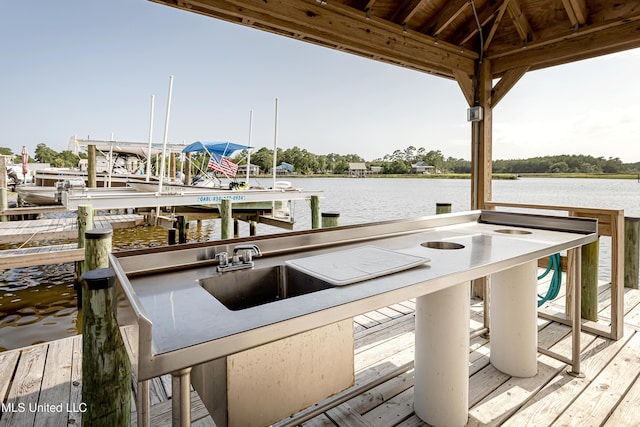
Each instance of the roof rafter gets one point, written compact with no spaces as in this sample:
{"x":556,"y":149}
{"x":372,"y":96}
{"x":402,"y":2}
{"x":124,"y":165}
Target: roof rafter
{"x":406,"y":11}
{"x":441,"y":20}
{"x":577,"y":11}
{"x":520,"y":21}
{"x":338,"y":26}
{"x":571,"y":46}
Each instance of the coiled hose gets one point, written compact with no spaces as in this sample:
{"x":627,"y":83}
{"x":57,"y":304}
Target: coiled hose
{"x":556,"y":279}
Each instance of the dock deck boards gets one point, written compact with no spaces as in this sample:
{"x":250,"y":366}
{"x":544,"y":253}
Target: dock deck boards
{"x":607,"y":395}
{"x":60,"y":228}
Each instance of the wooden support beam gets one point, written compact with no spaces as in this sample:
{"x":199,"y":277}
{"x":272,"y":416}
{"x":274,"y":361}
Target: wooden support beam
{"x":508,"y":80}
{"x":570,"y":46}
{"x":576,"y":11}
{"x":340,"y":27}
{"x":481,"y":137}
{"x":440,"y":21}
{"x":466,"y":85}
{"x":520,"y":21}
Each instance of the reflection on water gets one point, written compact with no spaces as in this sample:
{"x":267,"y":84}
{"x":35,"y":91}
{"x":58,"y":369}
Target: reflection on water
{"x":37,"y":304}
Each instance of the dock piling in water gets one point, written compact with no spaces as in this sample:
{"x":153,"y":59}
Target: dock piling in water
{"x":631,"y":252}
{"x":106,"y":370}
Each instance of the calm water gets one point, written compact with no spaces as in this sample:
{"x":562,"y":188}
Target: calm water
{"x":37,"y":304}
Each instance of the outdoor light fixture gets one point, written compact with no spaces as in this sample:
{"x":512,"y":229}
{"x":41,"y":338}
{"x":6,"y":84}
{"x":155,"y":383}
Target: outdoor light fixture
{"x":474,"y":114}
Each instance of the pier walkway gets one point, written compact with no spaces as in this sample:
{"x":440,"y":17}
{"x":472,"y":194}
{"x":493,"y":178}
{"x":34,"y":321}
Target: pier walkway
{"x":607,"y":395}
{"x":12,"y":232}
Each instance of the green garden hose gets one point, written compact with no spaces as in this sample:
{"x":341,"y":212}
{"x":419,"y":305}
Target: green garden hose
{"x":556,"y":279}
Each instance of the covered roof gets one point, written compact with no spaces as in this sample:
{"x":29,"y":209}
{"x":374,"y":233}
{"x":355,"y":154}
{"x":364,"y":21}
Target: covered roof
{"x":448,"y":38}
{"x":218,"y":148}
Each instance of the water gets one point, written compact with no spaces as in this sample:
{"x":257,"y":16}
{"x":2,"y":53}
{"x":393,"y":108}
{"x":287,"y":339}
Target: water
{"x":37,"y":304}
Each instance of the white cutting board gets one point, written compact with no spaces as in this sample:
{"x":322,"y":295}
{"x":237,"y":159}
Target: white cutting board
{"x":355,"y":265}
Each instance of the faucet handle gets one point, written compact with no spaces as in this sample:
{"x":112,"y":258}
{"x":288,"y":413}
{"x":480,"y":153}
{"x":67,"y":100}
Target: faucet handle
{"x":248,"y":250}
{"x":223,"y":259}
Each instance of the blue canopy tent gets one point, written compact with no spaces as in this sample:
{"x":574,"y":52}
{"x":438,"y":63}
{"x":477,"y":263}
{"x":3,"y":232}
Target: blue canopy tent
{"x":217,"y":151}
{"x":219,"y":148}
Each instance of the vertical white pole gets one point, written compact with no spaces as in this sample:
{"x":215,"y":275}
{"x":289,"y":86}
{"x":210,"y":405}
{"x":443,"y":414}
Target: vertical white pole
{"x":275,"y":147}
{"x":166,"y":133}
{"x":111,"y":163}
{"x":441,"y":391}
{"x":514,"y":320}
{"x":249,"y":149}
{"x":150,"y":140}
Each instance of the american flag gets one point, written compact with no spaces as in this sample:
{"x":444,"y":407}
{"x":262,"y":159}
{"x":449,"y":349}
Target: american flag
{"x":223,"y":164}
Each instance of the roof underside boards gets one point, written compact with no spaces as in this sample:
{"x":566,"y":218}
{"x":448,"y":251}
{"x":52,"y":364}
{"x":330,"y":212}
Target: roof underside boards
{"x":444,"y":37}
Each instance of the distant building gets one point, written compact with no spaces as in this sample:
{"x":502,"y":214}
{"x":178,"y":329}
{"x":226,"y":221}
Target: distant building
{"x":375,"y":170}
{"x":285,"y":169}
{"x":422,"y":168}
{"x":357,"y":170}
{"x":254,"y":170}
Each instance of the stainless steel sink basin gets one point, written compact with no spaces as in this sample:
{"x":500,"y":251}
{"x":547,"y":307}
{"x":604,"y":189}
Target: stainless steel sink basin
{"x":238,"y":290}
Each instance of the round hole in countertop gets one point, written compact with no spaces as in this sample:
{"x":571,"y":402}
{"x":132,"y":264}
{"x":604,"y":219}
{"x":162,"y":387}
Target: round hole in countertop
{"x":442,"y":245}
{"x":512,"y":231}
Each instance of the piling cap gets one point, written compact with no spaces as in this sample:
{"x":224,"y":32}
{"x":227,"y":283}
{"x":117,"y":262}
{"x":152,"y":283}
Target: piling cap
{"x":100,"y":278}
{"x":330,"y":214}
{"x":98,"y":233}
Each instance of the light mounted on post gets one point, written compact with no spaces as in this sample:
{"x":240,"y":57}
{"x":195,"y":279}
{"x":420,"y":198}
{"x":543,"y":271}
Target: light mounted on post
{"x":474,"y":114}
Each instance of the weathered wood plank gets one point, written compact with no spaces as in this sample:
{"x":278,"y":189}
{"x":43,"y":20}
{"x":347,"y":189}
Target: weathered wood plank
{"x":605,"y":391}
{"x":23,"y":394}
{"x":75,"y":396}
{"x":8,"y":363}
{"x":56,"y":385}
{"x":345,"y":416}
{"x":541,"y":410}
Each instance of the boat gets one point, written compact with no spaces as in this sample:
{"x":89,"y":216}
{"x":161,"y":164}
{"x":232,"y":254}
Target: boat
{"x":217,"y":177}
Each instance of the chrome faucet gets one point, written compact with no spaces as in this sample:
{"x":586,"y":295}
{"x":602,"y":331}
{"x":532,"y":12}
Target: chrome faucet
{"x":242,"y":258}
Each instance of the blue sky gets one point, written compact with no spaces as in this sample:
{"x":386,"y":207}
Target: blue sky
{"x":89,"y":68}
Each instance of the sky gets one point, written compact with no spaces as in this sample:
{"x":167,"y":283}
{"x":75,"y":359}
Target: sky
{"x":90,"y":68}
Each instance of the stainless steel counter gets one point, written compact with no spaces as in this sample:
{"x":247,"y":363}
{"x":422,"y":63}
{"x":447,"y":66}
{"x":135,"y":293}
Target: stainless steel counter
{"x":181,"y":324}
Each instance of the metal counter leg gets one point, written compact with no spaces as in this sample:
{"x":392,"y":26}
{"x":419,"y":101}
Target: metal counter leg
{"x":142,"y":404}
{"x":441,"y":392}
{"x":181,"y":398}
{"x":514,"y":320}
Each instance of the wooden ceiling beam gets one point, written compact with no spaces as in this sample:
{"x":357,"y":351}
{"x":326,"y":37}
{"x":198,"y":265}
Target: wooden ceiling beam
{"x":336,"y":25}
{"x":504,"y":85}
{"x":443,"y":18}
{"x":485,"y":16}
{"x":590,"y":41}
{"x":496,"y":24}
{"x":520,"y":21}
{"x":576,"y":11}
{"x":406,"y":11}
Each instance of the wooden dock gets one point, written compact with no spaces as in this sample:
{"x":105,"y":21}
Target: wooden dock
{"x":607,"y":395}
{"x":60,"y":228}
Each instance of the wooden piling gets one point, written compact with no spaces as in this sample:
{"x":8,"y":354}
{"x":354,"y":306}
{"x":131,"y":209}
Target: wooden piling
{"x":4,"y":192}
{"x":171,"y":236}
{"x":236,"y":228}
{"x":97,"y":248}
{"x":85,"y":222}
{"x":91,"y":166}
{"x":631,"y":252}
{"x":226,"y":219}
{"x":187,"y":168}
{"x":253,"y":228}
{"x":589,"y":281}
{"x":315,"y":212}
{"x":106,"y":370}
{"x":330,"y":219}
{"x":443,"y":208}
{"x":182,"y":225}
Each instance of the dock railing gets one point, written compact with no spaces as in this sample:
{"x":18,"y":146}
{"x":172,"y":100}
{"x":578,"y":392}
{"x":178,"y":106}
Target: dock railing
{"x":610,"y":223}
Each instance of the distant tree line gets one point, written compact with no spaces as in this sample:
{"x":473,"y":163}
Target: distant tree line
{"x":397,"y":162}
